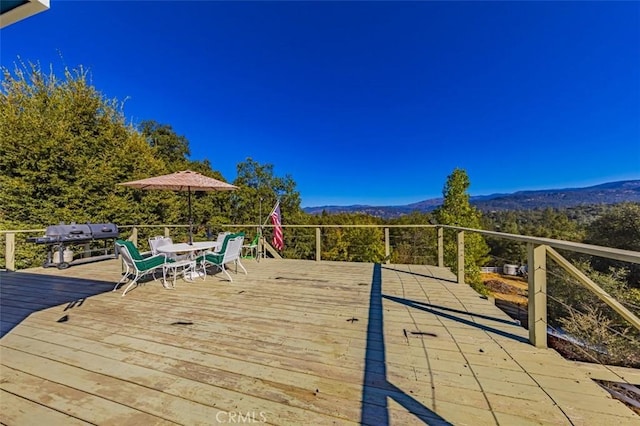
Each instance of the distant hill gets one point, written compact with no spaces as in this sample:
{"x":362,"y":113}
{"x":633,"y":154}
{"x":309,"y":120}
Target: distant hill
{"x":606,"y":193}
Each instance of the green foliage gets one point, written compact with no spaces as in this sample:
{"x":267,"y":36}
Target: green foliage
{"x":413,"y":245}
{"x":172,"y":148}
{"x":505,"y":251}
{"x":601,"y":343}
{"x":609,"y":338}
{"x":352,"y":244}
{"x":63,"y":147}
{"x":555,"y":224}
{"x":259,"y":190}
{"x":547,"y":223}
{"x":620,"y":228}
{"x":456,"y":210}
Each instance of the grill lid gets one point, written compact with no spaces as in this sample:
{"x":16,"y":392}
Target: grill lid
{"x":76,"y":233}
{"x":103,"y":230}
{"x":68,"y":230}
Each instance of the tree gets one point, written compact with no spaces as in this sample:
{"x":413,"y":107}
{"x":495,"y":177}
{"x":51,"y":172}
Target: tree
{"x":608,"y":338}
{"x":351,"y":244}
{"x":456,"y":210}
{"x":547,"y":223}
{"x":64,"y":147}
{"x":505,"y":251}
{"x":620,"y":228}
{"x":166,"y":143}
{"x":553,"y":223}
{"x":259,"y":190}
{"x":413,"y":245}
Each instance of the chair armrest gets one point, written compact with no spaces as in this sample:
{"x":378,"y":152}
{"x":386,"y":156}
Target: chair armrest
{"x":152,"y":262}
{"x":155,"y":256}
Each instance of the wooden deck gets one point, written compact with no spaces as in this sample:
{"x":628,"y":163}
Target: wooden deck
{"x":293,"y":342}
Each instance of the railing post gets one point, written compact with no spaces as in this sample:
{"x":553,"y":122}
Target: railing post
{"x":166,"y":231}
{"x":460,"y":257}
{"x":260,"y":252}
{"x":537,"y":271}
{"x":387,"y":250}
{"x":318,"y":241}
{"x":10,"y":251}
{"x":440,"y":247}
{"x":134,"y":236}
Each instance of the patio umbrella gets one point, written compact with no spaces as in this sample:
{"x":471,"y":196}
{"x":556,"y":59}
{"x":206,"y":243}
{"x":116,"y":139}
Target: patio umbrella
{"x":186,"y":180}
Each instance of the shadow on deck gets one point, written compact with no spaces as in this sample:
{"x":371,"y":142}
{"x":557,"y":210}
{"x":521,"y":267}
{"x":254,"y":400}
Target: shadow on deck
{"x":23,"y":293}
{"x":375,"y":376}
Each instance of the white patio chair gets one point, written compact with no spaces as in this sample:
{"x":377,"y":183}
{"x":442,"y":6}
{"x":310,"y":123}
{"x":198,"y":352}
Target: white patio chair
{"x":220,"y":240}
{"x":159,"y":241}
{"x":229,"y":251}
{"x":155,"y":242}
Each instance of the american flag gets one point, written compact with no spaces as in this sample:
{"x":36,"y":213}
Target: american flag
{"x":278,"y":240}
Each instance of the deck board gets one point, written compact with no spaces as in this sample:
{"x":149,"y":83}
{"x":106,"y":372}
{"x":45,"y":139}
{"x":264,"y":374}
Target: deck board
{"x":293,"y":342}
{"x":18,"y":410}
{"x":74,"y":402}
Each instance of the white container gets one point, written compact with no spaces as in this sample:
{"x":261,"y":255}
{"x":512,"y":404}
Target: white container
{"x":67,"y":256}
{"x":510,"y":269}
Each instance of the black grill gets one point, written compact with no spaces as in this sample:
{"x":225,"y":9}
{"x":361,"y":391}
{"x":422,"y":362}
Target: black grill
{"x":58,"y":237}
{"x":101,"y":231}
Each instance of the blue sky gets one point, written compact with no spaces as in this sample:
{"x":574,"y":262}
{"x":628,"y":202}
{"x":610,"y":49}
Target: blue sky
{"x":368,"y":102}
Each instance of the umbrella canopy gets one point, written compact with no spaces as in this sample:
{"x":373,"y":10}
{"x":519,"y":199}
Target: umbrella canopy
{"x":186,"y":180}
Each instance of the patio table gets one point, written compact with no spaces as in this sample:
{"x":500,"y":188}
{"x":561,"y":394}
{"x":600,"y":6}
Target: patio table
{"x":189,"y":269}
{"x":180,"y":267}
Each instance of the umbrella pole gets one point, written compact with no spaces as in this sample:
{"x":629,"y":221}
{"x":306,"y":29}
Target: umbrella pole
{"x":190,"y":218}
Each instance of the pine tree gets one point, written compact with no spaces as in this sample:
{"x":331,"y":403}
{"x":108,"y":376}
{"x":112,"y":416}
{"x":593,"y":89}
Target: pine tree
{"x":456,"y":210}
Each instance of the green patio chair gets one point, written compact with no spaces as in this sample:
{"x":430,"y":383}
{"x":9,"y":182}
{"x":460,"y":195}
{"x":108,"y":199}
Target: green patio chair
{"x":250,"y":251}
{"x":228,"y":252}
{"x":136,"y":265}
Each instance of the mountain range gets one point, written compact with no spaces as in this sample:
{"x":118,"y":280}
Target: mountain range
{"x":606,"y":193}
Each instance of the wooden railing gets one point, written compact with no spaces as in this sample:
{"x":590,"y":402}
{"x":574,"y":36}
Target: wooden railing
{"x":538,"y":250}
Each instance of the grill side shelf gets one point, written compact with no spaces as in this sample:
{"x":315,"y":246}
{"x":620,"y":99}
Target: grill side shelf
{"x":59,"y":245}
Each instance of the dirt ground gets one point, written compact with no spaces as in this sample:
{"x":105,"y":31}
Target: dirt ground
{"x":506,"y":287}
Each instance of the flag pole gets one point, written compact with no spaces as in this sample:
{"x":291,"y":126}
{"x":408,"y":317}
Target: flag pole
{"x":272,"y":210}
{"x":269,"y":217}
{"x":260,"y":233}
{"x":260,"y":216}
{"x":276,"y":220}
